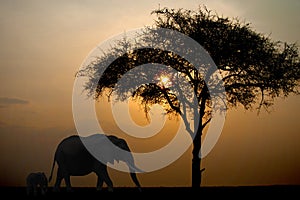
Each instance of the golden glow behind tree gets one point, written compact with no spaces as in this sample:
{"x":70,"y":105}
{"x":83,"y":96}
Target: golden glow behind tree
{"x":255,"y":70}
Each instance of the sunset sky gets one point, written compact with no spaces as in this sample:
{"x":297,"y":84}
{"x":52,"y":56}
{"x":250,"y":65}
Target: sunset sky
{"x":44,"y":43}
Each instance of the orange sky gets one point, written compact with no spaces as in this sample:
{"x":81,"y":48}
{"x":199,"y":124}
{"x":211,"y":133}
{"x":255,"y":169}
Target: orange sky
{"x":43,"y":44}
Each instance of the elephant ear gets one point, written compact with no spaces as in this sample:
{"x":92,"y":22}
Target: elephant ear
{"x":119,"y":142}
{"x":120,"y":146}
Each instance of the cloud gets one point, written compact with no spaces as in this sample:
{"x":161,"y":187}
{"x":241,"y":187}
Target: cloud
{"x":4,"y":101}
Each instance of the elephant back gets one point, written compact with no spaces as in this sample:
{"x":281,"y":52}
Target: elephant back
{"x":71,"y":145}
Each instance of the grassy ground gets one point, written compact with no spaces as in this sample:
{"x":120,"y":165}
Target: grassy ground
{"x":243,"y":192}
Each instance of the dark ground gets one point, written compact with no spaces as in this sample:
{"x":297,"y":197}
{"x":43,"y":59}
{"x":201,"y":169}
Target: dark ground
{"x":242,"y":192}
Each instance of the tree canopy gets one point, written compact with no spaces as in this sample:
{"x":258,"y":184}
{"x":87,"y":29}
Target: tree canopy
{"x":254,"y":68}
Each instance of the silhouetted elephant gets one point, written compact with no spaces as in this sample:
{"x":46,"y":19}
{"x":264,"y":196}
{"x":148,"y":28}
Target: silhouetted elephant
{"x":74,"y":159}
{"x":36,"y":181}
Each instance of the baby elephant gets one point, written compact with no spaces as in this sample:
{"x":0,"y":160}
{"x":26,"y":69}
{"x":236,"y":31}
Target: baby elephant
{"x":35,"y":182}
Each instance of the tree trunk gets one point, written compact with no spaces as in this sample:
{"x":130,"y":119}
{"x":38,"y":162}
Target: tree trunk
{"x":196,"y":161}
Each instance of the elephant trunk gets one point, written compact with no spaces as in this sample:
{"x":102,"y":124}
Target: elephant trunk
{"x":135,"y":180}
{"x":133,"y":169}
{"x":127,"y":157}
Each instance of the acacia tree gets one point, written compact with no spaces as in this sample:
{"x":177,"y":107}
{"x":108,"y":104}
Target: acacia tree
{"x":255,"y":69}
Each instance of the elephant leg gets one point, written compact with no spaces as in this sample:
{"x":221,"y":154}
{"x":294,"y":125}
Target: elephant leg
{"x":68,"y":182}
{"x":28,"y":189}
{"x":99,"y":183}
{"x":108,"y":181}
{"x":59,"y":178}
{"x":103,"y":176}
{"x":35,"y":190}
{"x":43,"y":190}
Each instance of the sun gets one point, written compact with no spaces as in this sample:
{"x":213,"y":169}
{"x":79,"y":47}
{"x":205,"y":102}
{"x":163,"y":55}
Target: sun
{"x":164,"y":81}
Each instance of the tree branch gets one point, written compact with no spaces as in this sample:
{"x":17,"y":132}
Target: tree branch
{"x":203,"y":125}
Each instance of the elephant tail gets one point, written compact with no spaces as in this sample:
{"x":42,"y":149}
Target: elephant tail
{"x":52,"y":170}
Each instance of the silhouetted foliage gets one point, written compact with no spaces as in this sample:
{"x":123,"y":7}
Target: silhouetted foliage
{"x":254,"y":69}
